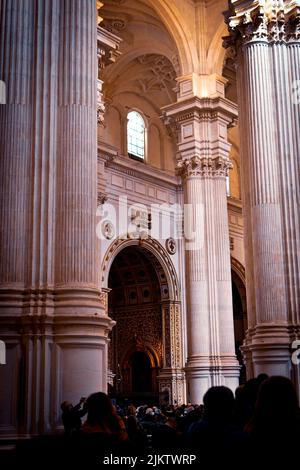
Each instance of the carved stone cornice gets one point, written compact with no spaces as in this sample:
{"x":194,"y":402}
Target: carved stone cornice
{"x":152,"y":175}
{"x":203,"y":147}
{"x":101,"y":197}
{"x":107,"y":52}
{"x":173,"y":129}
{"x":205,"y":109}
{"x":205,"y":167}
{"x":259,"y":21}
{"x":108,"y":47}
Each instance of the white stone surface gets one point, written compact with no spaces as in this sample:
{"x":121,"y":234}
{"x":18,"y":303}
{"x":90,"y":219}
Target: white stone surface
{"x":52,"y":318}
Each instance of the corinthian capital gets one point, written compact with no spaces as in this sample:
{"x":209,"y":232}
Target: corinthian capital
{"x":98,"y":6}
{"x":247,"y":21}
{"x":262,"y":21}
{"x":206,"y":167}
{"x":293,"y":21}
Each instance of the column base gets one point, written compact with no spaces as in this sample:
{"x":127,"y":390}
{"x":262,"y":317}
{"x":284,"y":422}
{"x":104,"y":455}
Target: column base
{"x":267,"y":349}
{"x":172,"y":386}
{"x":49,"y":359}
{"x":203,"y":372}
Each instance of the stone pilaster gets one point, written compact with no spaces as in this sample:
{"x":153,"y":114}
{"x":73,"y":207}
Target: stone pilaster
{"x":263,"y":37}
{"x":171,"y":377}
{"x":203,"y":162}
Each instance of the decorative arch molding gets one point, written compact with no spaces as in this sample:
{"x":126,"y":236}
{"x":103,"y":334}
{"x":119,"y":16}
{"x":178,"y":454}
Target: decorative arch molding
{"x":154,"y":358}
{"x":156,"y":251}
{"x":171,"y":374}
{"x":216,"y":53}
{"x":132,"y":91}
{"x":173,"y":21}
{"x":126,"y":366}
{"x":175,"y":24}
{"x":234,"y":147}
{"x":233,"y":157}
{"x":133,"y":54}
{"x":117,"y":107}
{"x":239,"y":269}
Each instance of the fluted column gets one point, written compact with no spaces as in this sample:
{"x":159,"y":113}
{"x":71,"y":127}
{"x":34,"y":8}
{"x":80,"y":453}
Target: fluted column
{"x":261,"y":37}
{"x":52,"y":317}
{"x":81,"y":323}
{"x":204,"y":163}
{"x":16,"y":62}
{"x":17,"y":55}
{"x":292,"y":64}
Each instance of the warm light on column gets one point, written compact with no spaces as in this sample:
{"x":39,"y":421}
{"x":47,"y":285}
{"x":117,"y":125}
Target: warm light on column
{"x":201,"y":86}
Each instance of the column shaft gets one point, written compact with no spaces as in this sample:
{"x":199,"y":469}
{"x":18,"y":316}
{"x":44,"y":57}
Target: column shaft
{"x":52,"y":318}
{"x":294,"y":135}
{"x":263,"y":178}
{"x":204,"y":163}
{"x":16,"y":186}
{"x":292,"y":161}
{"x":211,"y":355}
{"x":77,"y":146}
{"x":263,"y":40}
{"x":81,"y":323}
{"x":16,"y":63}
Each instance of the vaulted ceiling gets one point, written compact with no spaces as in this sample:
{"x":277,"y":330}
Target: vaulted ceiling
{"x":133,"y":279}
{"x":162,"y":40}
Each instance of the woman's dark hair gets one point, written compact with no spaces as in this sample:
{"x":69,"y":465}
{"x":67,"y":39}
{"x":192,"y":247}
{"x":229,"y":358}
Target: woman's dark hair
{"x":101,"y":412}
{"x":276,"y":407}
{"x":277,"y":398}
{"x":218,"y":403}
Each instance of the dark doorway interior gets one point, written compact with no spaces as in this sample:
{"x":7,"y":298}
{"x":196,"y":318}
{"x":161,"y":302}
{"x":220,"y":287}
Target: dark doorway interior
{"x":141,"y":373}
{"x":240,"y":320}
{"x":134,"y":302}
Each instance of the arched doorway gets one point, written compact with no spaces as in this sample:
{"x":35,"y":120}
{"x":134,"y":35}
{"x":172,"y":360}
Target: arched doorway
{"x":239,"y":313}
{"x":134,"y":302}
{"x":143,"y":299}
{"x":141,"y":372}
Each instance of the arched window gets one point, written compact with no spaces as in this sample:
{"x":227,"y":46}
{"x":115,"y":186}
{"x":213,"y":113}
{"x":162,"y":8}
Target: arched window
{"x":227,"y":186}
{"x":135,"y":135}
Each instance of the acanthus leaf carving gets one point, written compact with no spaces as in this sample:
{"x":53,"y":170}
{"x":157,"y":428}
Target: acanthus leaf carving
{"x":262,"y":22}
{"x":204,"y":166}
{"x":293,"y":24}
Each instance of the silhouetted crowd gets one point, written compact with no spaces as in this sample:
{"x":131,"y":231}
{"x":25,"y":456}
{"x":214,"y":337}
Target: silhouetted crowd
{"x":258,"y":427}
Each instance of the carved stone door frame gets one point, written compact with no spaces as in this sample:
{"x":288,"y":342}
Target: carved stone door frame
{"x":171,"y":378}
